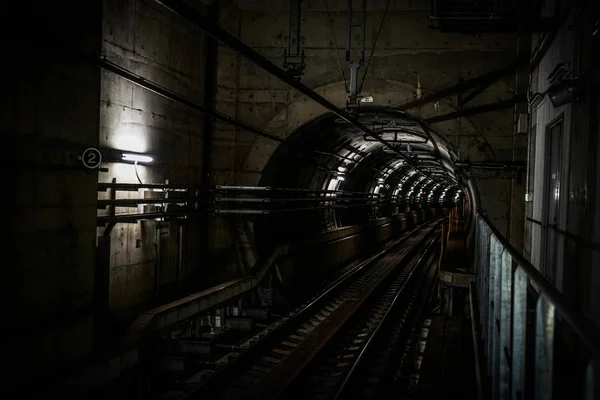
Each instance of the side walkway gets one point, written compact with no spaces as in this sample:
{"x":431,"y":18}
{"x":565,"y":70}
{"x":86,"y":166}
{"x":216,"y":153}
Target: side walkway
{"x":447,"y":367}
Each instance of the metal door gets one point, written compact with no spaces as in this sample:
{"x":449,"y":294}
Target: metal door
{"x":552,"y":198}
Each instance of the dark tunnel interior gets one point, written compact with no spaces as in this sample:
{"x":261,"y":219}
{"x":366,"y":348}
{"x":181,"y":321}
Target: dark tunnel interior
{"x":328,"y":154}
{"x":301,"y":199}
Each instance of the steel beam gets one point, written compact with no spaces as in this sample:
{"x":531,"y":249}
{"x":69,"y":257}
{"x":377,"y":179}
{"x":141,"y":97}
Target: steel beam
{"x":492,"y":164}
{"x":188,"y":13}
{"x":491,"y":77}
{"x":210,"y":91}
{"x":500,"y":105}
{"x":474,"y":93}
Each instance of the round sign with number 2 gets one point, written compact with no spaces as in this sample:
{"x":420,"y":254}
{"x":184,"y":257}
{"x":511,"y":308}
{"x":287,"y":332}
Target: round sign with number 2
{"x":91,"y":158}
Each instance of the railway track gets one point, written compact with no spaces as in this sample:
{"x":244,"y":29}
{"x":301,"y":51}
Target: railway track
{"x":358,"y":363}
{"x":346,"y":316}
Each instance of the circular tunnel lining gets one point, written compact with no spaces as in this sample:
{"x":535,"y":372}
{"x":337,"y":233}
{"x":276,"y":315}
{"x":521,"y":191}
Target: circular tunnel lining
{"x":329,"y":154}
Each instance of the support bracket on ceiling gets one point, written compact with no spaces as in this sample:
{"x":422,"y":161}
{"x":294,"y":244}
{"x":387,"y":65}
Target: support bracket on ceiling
{"x":355,"y":65}
{"x":293,"y":57}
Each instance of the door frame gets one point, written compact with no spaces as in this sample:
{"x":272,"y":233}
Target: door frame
{"x":558,"y":120}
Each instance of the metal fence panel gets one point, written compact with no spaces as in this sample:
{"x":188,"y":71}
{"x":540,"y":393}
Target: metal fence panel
{"x":503,"y":277}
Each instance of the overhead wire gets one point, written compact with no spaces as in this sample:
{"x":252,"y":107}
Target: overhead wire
{"x":387,"y":7}
{"x":337,"y":51}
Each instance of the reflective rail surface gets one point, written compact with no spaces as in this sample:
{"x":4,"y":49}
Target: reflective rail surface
{"x":503,"y":278}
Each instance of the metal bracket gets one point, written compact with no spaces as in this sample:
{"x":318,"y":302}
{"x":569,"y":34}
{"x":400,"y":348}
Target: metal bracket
{"x":293,"y":58}
{"x":353,"y":95}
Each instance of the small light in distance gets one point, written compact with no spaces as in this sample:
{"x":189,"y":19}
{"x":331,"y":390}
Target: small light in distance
{"x":136,"y":157}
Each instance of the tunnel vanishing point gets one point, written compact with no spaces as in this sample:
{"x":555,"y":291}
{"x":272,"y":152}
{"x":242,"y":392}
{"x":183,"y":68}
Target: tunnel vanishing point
{"x":302,"y":199}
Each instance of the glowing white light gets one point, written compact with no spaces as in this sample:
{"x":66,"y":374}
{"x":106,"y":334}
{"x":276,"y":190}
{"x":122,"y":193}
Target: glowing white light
{"x":333,"y":184}
{"x":340,"y":178}
{"x":131,"y":137}
{"x":342,"y":169}
{"x":137,"y":157}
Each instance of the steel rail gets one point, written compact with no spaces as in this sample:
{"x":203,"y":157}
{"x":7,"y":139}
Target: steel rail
{"x":384,"y":319}
{"x":300,"y":314}
{"x":305,"y":312}
{"x":273,"y":387}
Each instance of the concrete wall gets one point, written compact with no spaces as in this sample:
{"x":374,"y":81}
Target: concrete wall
{"x":50,"y":114}
{"x":149,"y":41}
{"x":410,"y":61}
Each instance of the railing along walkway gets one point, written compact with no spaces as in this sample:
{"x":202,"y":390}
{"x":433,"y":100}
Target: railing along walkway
{"x":503,"y":276}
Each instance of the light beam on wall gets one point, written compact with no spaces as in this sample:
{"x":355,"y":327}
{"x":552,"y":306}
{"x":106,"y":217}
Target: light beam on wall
{"x":130,"y":137}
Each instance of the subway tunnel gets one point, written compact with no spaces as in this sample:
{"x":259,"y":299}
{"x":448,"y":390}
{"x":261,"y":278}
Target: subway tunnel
{"x":321,"y":199}
{"x":328,"y":154}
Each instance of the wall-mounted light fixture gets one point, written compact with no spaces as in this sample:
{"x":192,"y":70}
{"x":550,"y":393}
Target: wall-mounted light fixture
{"x":564,"y":92}
{"x":137,"y":158}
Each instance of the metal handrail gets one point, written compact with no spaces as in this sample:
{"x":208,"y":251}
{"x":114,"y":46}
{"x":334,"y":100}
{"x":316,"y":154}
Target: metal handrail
{"x":587,"y":330}
{"x":503,"y":278}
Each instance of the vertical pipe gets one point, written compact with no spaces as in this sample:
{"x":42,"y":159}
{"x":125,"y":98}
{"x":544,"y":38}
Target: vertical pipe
{"x":298,"y":26}
{"x":202,"y":222}
{"x":364,"y":32}
{"x":349,"y":36}
{"x":544,"y":348}
{"x":291,"y":44}
{"x":210,"y":89}
{"x":505,"y":327}
{"x":519,"y":330}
